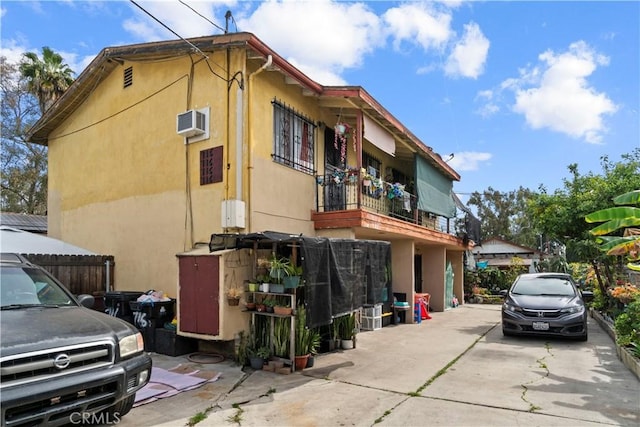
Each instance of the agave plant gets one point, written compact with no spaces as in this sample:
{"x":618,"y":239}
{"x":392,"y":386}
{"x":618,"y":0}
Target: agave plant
{"x":624,"y":216}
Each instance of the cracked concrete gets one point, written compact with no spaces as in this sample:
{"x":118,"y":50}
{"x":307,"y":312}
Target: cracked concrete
{"x":454,"y":370}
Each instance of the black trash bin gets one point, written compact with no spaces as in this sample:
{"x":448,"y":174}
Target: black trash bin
{"x":150,"y":315}
{"x":116,"y":304}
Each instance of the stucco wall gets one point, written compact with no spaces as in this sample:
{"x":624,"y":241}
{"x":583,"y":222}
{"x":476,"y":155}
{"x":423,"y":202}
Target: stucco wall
{"x":402,"y":252}
{"x":433,"y":272}
{"x":117,"y":177}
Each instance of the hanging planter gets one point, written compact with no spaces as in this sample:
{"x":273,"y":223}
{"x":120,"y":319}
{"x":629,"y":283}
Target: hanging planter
{"x":366,"y":178}
{"x":342,"y":131}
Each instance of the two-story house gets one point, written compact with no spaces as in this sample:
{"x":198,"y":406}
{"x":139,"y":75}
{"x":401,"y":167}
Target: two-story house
{"x":157,"y":146}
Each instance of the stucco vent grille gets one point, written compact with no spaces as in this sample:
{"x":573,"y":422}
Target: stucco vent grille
{"x":128,"y":77}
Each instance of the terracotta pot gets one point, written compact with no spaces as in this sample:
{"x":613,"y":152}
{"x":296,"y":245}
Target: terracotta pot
{"x":251,"y":306}
{"x":283,"y":311}
{"x":233,"y":301}
{"x":301,"y":362}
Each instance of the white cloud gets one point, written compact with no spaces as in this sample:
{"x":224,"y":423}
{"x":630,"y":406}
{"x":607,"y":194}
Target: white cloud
{"x":487,"y":110}
{"x":561,"y":98}
{"x":469,"y":54}
{"x":418,"y":23}
{"x":323,"y":38}
{"x":490,"y":106}
{"x":469,"y":160}
{"x":179,"y":18}
{"x":12,"y":50}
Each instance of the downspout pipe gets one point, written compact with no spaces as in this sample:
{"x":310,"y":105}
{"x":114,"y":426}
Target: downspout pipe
{"x":264,"y":66}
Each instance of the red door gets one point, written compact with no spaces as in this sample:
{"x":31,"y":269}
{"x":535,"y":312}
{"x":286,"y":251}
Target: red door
{"x":198,"y":299}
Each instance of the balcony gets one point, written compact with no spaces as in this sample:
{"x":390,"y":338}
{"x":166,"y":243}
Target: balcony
{"x":351,"y":196}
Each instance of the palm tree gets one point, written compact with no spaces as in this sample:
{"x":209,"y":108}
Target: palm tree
{"x":47,"y":78}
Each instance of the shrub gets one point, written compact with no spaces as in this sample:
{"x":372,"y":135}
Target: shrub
{"x":627,"y":325}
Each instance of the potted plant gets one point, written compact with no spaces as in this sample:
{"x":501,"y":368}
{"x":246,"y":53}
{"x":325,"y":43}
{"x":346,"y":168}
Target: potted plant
{"x":250,"y":304}
{"x":258,"y":357}
{"x":314,"y":344}
{"x":366,"y":178}
{"x":253,"y":285}
{"x":342,"y":131}
{"x":233,"y":296}
{"x":281,"y":337}
{"x":282,"y":309}
{"x":347,"y":331}
{"x":294,"y":275}
{"x":263,"y":280}
{"x":269,"y":304}
{"x":278,"y":268}
{"x":302,"y":338}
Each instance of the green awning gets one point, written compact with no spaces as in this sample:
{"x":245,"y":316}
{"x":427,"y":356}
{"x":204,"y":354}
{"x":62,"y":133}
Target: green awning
{"x":434,"y":190}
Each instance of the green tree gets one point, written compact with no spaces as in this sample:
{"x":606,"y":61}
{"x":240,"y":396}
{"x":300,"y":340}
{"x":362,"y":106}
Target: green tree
{"x":504,"y":215}
{"x":48,"y":78}
{"x":561,"y":215}
{"x":24,"y":165}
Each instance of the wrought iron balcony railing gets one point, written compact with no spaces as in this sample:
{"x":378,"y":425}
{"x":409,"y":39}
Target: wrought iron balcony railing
{"x":348,"y":190}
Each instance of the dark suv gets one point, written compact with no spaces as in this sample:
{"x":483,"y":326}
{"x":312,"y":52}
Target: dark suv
{"x":61,"y":362}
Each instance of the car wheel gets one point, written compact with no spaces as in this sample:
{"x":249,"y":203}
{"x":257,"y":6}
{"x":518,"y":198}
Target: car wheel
{"x":120,"y":409}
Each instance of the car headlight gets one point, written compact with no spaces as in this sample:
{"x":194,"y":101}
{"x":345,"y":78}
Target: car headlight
{"x":573,"y":309}
{"x":131,"y":344}
{"x":508,"y":306}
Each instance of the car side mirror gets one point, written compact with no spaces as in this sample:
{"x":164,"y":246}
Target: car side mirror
{"x":504,"y":292}
{"x":86,"y":300}
{"x":587,"y":296}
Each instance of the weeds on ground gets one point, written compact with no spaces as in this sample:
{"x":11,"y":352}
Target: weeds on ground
{"x":200,"y":416}
{"x":237,"y":417}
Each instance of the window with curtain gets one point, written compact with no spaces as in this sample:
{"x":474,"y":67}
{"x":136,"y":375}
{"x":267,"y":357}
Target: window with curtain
{"x":293,"y":138}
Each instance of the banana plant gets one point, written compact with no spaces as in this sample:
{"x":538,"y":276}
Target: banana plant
{"x":621,"y":217}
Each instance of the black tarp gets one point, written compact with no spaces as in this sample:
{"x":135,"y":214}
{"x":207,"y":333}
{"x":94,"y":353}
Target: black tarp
{"x":340,"y":275}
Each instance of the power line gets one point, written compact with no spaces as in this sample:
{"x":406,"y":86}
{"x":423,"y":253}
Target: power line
{"x":173,"y":32}
{"x":203,"y":17}
{"x":186,"y":41}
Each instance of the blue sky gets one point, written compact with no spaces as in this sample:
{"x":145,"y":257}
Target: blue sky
{"x":516,"y":90}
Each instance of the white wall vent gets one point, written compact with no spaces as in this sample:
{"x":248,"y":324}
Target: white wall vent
{"x":191,"y":123}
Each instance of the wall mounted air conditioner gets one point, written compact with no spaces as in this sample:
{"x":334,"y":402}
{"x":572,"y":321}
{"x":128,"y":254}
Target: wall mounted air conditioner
{"x":191,"y":123}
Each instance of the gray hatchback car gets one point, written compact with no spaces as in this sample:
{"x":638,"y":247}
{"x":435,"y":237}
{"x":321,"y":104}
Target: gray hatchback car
{"x":545,"y":304}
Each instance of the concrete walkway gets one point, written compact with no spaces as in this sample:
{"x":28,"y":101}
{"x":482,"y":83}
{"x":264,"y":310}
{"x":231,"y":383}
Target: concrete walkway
{"x":394,"y":377}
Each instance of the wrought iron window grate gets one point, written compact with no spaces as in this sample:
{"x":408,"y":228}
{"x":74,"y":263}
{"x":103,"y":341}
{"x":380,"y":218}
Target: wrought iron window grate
{"x":293,"y":138}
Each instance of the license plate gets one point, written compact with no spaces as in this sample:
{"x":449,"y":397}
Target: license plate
{"x":540,"y":326}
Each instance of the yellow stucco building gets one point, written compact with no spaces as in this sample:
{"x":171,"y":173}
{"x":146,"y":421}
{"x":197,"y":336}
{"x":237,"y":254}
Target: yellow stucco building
{"x":157,"y":146}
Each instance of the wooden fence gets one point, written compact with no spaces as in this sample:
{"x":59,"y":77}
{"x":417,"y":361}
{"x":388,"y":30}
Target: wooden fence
{"x":81,"y":274}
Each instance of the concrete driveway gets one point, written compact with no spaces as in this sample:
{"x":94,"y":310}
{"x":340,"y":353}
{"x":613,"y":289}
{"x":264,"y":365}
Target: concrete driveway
{"x":455,"y":369}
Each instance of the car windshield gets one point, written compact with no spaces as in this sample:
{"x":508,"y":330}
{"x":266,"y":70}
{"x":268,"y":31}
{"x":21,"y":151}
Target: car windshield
{"x":540,"y":285}
{"x":29,"y":287}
